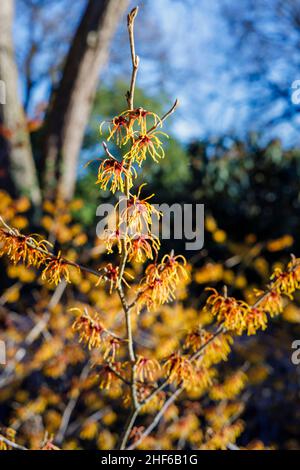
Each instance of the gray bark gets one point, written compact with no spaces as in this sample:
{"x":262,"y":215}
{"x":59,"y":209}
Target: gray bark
{"x":16,"y":158}
{"x":72,"y":101}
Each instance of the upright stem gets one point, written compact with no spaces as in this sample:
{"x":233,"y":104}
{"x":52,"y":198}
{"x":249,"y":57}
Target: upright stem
{"x":130,"y":100}
{"x":130,"y":97}
{"x":128,"y":427}
{"x":134,"y":58}
{"x":127,"y":310}
{"x":128,"y":323}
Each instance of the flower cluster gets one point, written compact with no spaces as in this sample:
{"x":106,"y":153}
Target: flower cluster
{"x":179,"y":369}
{"x":270,"y":302}
{"x":160,"y":281}
{"x":237,"y":316}
{"x":229,"y":312}
{"x":215,"y":348}
{"x":32,"y":251}
{"x":142,"y":247}
{"x":136,"y":125}
{"x":20,"y":248}
{"x":89,"y":328}
{"x":94,"y":334}
{"x":286,"y":282}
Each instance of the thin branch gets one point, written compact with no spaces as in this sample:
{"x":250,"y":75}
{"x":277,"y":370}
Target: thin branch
{"x":200,"y":351}
{"x":117,"y":374}
{"x":157,"y":418}
{"x":128,"y":322}
{"x":110,"y":155}
{"x":128,"y":427}
{"x":52,"y":255}
{"x":70,"y":408}
{"x":155,"y":392}
{"x":12,"y":444}
{"x":134,"y":58}
{"x":165,"y":116}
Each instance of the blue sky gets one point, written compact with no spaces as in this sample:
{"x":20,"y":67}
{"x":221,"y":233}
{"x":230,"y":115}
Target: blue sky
{"x":193,"y":38}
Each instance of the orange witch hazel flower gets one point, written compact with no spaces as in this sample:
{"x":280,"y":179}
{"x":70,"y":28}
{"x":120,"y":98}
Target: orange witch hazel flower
{"x":270,"y":302}
{"x":110,"y":274}
{"x":146,"y":369}
{"x":112,"y":345}
{"x":56,"y":269}
{"x":111,"y":238}
{"x":114,"y":172}
{"x":229,"y":311}
{"x":160,"y":281}
{"x":146,"y":144}
{"x":256,"y":319}
{"x":138,"y":213}
{"x":154,"y":294}
{"x":179,"y":369}
{"x":142,"y":247}
{"x":24,"y":248}
{"x":216,"y":349}
{"x":236,"y":315}
{"x":107,"y":376}
{"x":173,"y":266}
{"x":139,"y":116}
{"x":286,"y":282}
{"x":119,"y":129}
{"x":89,"y":328}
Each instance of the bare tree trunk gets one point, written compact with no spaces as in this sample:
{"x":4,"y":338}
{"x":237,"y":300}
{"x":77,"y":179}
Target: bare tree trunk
{"x":72,"y":101}
{"x":15,"y":143}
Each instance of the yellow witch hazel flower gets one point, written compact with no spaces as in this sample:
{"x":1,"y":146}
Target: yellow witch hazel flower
{"x":138,"y":213}
{"x":89,"y":328}
{"x":147,"y":369}
{"x":139,"y":116}
{"x":118,"y":130}
{"x":56,"y":269}
{"x":142,"y":247}
{"x":121,"y":128}
{"x":146,"y":144}
{"x":159,"y":284}
{"x":27,"y":249}
{"x":114,"y":172}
